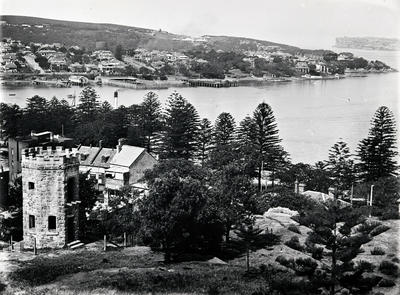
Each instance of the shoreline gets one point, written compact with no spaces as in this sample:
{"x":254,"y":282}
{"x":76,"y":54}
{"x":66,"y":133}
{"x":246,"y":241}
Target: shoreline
{"x":156,"y":84}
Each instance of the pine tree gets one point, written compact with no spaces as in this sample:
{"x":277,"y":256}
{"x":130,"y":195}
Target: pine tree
{"x":377,"y":152}
{"x":259,"y":136}
{"x":87,"y":110}
{"x":205,"y":140}
{"x":181,"y":129}
{"x":251,"y":236}
{"x":224,"y":130}
{"x":342,"y":231}
{"x":341,"y":166}
{"x":150,"y":119}
{"x":36,"y":114}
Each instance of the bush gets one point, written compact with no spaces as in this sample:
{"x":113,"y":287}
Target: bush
{"x":379,"y":229}
{"x":396,"y":259}
{"x":378,"y":251}
{"x":386,"y":283}
{"x":290,"y":263}
{"x":294,"y":243}
{"x":316,"y":252}
{"x":390,"y":214}
{"x":365,"y":266}
{"x":294,"y":229}
{"x":305,"y":266}
{"x":388,"y":268}
{"x":368,"y":227}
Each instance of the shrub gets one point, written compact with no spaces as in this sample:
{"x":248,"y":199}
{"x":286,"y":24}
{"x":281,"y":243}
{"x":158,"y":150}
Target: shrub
{"x":390,"y":214}
{"x":388,"y":268}
{"x":294,"y":229}
{"x":290,"y":263}
{"x":305,"y":266}
{"x":379,"y":229}
{"x":294,"y":243}
{"x":368,"y":227}
{"x":365,"y":266}
{"x":316,"y":252}
{"x":386,"y":283}
{"x":396,"y":259}
{"x":378,"y":251}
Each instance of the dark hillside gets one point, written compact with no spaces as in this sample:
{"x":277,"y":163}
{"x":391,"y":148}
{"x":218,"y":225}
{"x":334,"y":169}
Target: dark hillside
{"x":33,"y":29}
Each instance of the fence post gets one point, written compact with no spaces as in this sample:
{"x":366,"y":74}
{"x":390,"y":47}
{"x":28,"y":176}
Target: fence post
{"x":34,"y":247}
{"x":11,"y":244}
{"x":105,"y":243}
{"x":124,"y":239}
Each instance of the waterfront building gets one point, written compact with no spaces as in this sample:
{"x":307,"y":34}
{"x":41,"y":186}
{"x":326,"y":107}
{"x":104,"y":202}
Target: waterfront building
{"x":50,"y":184}
{"x":302,"y":67}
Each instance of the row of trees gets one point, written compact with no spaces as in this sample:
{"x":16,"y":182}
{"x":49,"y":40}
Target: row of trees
{"x":177,"y":131}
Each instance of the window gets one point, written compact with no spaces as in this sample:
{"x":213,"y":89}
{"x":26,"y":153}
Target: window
{"x":31,"y":185}
{"x":71,"y":189}
{"x":31,"y":221}
{"x":52,"y":222}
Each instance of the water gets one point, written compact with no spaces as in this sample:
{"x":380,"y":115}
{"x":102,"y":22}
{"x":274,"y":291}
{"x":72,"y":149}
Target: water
{"x":311,"y":115}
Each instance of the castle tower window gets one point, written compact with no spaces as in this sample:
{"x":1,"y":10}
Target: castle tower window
{"x":31,"y":221}
{"x":52,"y":222}
{"x":31,"y":185}
{"x":71,"y":187}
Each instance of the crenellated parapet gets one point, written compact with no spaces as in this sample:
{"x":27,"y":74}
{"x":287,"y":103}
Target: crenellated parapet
{"x":50,"y":158}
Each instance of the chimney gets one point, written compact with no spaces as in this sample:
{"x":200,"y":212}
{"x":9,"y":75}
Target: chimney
{"x":116,"y":99}
{"x":296,"y":187}
{"x":120,"y":144}
{"x":100,"y":143}
{"x":301,"y":188}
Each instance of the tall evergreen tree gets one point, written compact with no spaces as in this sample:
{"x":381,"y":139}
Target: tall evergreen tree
{"x":88,"y":108}
{"x":60,"y":116}
{"x":205,"y":140}
{"x":377,"y":152}
{"x":224,"y":129}
{"x":150,"y":119}
{"x":341,"y":166}
{"x":342,"y":231}
{"x":181,"y":129}
{"x":10,"y":120}
{"x":36,"y":114}
{"x":259,"y":135}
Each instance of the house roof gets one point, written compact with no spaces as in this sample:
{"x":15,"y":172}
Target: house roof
{"x":118,"y":169}
{"x":127,"y":156}
{"x":90,"y":154}
{"x":104,"y":157}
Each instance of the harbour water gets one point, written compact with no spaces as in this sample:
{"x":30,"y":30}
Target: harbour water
{"x":311,"y":115}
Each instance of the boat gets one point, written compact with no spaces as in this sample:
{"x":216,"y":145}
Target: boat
{"x":12,"y":94}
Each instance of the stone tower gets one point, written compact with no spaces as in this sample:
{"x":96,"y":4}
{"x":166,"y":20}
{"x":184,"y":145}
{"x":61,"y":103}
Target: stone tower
{"x":50,"y":183}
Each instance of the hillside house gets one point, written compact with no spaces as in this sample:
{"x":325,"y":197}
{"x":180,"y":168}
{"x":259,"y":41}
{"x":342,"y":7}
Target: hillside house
{"x":302,"y":67}
{"x":127,"y":167}
{"x":96,"y":160}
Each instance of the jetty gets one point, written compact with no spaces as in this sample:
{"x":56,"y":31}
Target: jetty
{"x":215,"y":83}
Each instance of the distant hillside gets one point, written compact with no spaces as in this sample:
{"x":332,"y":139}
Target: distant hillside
{"x":33,"y":29}
{"x":369,"y":43}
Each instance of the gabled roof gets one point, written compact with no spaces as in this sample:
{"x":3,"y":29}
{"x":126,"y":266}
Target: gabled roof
{"x":88,"y":154}
{"x":127,"y":156}
{"x":104,"y":157}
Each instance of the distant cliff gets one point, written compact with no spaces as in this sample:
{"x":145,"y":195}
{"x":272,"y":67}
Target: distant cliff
{"x":369,"y":43}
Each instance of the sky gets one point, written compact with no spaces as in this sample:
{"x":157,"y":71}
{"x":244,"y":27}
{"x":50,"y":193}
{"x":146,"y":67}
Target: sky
{"x":303,"y":23}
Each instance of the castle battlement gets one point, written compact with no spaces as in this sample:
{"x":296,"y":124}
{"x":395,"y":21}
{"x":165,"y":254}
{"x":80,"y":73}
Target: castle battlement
{"x":50,"y":156}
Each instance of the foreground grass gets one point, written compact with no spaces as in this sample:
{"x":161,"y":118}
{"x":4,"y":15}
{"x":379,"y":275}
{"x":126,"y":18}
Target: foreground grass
{"x":120,"y":272}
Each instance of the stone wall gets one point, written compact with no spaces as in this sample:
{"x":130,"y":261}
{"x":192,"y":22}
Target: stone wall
{"x":45,"y":175}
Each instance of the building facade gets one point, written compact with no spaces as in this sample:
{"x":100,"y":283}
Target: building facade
{"x":50,"y":183}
